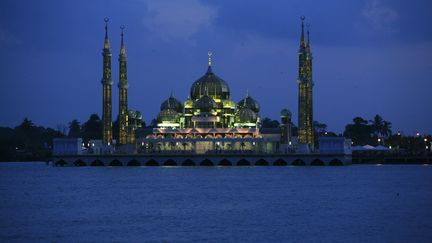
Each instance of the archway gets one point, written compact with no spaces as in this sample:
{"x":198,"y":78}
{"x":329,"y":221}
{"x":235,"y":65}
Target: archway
{"x":261,"y":162}
{"x":280,"y":162}
{"x":225,"y":162}
{"x":243,"y":162}
{"x":188,"y":162}
{"x":115,"y":162}
{"x":298,"y":162}
{"x":152,"y":162}
{"x":133,"y":162}
{"x":79,"y":163}
{"x":336,"y":162}
{"x":317,"y":162}
{"x":170,"y":162}
{"x":206,"y":162}
{"x":60,"y":163}
{"x":97,"y":163}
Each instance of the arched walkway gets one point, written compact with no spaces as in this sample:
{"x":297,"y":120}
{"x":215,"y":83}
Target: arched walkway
{"x":317,"y":162}
{"x":206,"y":162}
{"x":280,"y":162}
{"x":133,"y":162}
{"x":152,"y":162}
{"x":60,"y":163}
{"x":188,"y":162}
{"x":97,"y":163}
{"x":261,"y":162}
{"x":115,"y":162}
{"x":298,"y":162}
{"x":79,"y":163}
{"x":170,"y":162}
{"x":335,"y":162}
{"x":225,"y":162}
{"x":243,"y":162}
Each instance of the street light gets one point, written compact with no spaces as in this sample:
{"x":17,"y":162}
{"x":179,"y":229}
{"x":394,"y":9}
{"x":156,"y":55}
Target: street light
{"x":379,"y":140}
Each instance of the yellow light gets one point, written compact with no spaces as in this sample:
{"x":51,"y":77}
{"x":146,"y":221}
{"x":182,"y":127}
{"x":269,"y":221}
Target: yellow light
{"x":425,"y":139}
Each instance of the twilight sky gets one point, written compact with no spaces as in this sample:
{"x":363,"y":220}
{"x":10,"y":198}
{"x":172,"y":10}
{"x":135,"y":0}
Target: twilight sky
{"x":370,"y":56}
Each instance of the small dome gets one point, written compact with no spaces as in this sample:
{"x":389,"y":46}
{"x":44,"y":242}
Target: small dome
{"x":172,"y":103}
{"x":168,"y":115}
{"x":205,"y":104}
{"x":286,"y":113}
{"x":131,"y":114}
{"x":216,"y":87}
{"x":250,"y":103}
{"x":228,"y":104}
{"x":246,"y":115}
{"x":138,"y":115}
{"x":188,"y":103}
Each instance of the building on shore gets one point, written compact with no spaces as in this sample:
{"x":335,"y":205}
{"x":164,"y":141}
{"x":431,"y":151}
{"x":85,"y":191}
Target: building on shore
{"x":209,"y":121}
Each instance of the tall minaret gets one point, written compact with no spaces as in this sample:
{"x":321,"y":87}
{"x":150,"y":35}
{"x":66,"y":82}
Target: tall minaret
{"x":106,"y":83}
{"x":123,"y":88}
{"x":305,"y":108}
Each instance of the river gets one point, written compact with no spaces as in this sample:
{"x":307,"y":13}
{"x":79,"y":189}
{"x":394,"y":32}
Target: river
{"x":358,"y":203}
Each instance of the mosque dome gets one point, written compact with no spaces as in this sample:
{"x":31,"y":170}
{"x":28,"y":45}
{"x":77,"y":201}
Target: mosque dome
{"x":172,"y":103}
{"x":205,"y":103}
{"x":216,"y":87}
{"x":286,"y":113}
{"x":168,"y":115}
{"x":250,"y":103}
{"x":246,"y":115}
{"x":188,"y":103}
{"x":131,"y":114}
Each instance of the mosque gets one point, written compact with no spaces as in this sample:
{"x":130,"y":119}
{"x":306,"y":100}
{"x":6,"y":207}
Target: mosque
{"x":208,"y":123}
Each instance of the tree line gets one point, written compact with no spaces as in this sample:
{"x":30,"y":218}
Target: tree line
{"x":30,"y":142}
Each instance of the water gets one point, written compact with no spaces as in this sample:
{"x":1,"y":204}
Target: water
{"x":356,"y":203}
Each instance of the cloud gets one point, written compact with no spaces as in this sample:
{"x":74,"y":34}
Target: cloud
{"x":380,"y":16}
{"x":173,"y":19}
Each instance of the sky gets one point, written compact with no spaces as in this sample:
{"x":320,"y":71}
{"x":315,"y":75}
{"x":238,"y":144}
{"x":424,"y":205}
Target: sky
{"x":370,"y":56}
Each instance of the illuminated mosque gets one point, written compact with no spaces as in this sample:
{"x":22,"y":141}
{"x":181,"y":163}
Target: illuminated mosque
{"x":208,"y":121}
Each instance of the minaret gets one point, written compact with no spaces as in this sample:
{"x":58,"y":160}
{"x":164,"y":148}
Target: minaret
{"x":106,"y":83}
{"x":123,"y":88}
{"x":305,"y":105}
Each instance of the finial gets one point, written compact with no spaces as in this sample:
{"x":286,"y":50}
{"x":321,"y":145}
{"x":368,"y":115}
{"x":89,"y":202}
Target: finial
{"x":302,"y":43}
{"x":171,"y":95}
{"x":106,"y":43}
{"x":247,"y":92}
{"x":210,"y":54}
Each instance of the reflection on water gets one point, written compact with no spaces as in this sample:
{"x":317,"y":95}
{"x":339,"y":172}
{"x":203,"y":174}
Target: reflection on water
{"x":219,"y":204}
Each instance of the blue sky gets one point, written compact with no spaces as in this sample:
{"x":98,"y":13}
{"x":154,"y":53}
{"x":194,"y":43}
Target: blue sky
{"x":370,"y":56}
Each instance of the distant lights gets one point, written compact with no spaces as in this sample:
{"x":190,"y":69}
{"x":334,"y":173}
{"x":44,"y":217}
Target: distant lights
{"x":379,"y":140}
{"x":425,"y":139}
{"x":390,"y":147}
{"x":417,"y":134}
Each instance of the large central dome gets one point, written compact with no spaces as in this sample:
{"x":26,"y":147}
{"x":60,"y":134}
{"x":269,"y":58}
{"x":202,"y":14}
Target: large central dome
{"x":210,"y":84}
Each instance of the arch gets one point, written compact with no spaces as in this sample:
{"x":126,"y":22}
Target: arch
{"x":209,"y":136}
{"x":317,"y":162}
{"x":170,"y":162}
{"x":116,"y":162}
{"x":243,"y":162}
{"x":280,"y":162}
{"x":261,"y":162}
{"x":206,"y":162}
{"x":335,"y":162}
{"x":60,"y":163}
{"x":79,"y":163}
{"x":188,"y":162}
{"x":97,"y":163}
{"x":225,"y":162}
{"x":152,"y":162}
{"x":247,"y":136}
{"x":298,"y":162}
{"x":133,"y":162}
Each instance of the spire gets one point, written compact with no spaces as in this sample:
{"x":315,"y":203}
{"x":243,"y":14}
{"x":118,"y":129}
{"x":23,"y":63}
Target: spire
{"x":302,"y":41}
{"x":122,"y":47}
{"x":308,"y":38}
{"x":210,"y":54}
{"x":106,"y":43}
{"x":247,"y":92}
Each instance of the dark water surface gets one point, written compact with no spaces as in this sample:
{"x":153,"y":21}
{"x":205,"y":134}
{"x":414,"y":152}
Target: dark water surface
{"x":356,"y":203}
